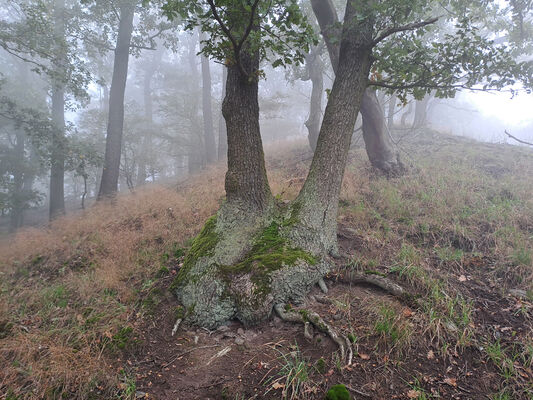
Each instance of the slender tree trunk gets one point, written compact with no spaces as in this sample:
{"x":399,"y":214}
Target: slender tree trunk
{"x":315,"y":70}
{"x":380,"y":149}
{"x":391,"y":112}
{"x":17,"y":195}
{"x":319,"y":196}
{"x":110,"y":175}
{"x":403,"y":120}
{"x":195,"y":156}
{"x":421,"y":107}
{"x":209,"y":133}
{"x":222,"y":134}
{"x":57,"y":169}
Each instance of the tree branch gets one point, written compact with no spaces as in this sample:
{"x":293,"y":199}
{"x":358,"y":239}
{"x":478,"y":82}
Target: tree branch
{"x":409,"y":27}
{"x":518,"y":140}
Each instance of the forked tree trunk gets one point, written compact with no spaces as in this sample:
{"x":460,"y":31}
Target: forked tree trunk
{"x":207,"y":112}
{"x":255,"y":254}
{"x":110,"y":175}
{"x":315,"y":70}
{"x":378,"y":144}
{"x":57,"y":161}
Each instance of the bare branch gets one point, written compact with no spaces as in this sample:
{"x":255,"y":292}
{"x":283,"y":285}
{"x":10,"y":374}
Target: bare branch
{"x":409,"y":27}
{"x":518,"y":140}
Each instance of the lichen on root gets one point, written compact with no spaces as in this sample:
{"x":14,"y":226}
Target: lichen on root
{"x":242,"y":264}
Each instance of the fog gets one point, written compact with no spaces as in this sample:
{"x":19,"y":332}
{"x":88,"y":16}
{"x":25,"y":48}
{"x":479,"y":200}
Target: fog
{"x":167,"y":127}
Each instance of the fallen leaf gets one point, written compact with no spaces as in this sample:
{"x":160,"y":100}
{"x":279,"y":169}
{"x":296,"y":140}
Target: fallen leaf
{"x":407,"y":312}
{"x":451,"y":381}
{"x":431,"y":355}
{"x":330,"y":372}
{"x":364,"y":356}
{"x":413,"y":394}
{"x":462,"y":278}
{"x":277,"y":386}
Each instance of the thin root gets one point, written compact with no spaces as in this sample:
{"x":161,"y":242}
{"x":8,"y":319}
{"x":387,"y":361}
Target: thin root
{"x":342,"y":342}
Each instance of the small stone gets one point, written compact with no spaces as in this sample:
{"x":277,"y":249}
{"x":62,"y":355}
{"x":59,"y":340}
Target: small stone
{"x":240,"y":331}
{"x":222,"y":328}
{"x":239,"y":341}
{"x":521,"y":294}
{"x":139,"y":394}
{"x":337,"y":317}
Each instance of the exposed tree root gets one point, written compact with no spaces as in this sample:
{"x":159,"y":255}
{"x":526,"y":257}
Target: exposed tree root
{"x":373,"y":279}
{"x":322,"y":286}
{"x":309,"y":317}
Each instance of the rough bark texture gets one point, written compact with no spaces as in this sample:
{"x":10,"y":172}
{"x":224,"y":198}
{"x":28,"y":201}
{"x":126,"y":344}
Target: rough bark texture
{"x":315,"y":70}
{"x":110,"y":175}
{"x":57,"y":161}
{"x":222,"y":135}
{"x":320,"y":194}
{"x":379,"y":146}
{"x":209,"y":133}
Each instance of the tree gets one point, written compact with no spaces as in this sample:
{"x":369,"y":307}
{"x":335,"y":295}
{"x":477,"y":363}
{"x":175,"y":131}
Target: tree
{"x":378,"y":144}
{"x":109,"y":184}
{"x":209,"y":134}
{"x":255,"y":254}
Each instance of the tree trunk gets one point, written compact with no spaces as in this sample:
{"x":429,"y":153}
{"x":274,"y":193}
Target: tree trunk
{"x":421,"y":107}
{"x":391,"y":112}
{"x":319,"y":196}
{"x":195,"y":153}
{"x":146,"y":150}
{"x":17,"y":200}
{"x":222,"y":134}
{"x":57,"y":161}
{"x":315,"y":70}
{"x":110,"y":175}
{"x":380,"y":149}
{"x":408,"y":111}
{"x":209,"y":134}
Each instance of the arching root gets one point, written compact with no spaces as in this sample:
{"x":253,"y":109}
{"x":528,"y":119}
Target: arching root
{"x":374,"y":279}
{"x":309,"y":317}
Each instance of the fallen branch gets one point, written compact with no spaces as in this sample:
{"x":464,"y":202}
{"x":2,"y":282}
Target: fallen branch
{"x":518,"y":140}
{"x":306,"y":317}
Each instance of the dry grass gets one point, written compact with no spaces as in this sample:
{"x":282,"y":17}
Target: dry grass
{"x":71,"y":293}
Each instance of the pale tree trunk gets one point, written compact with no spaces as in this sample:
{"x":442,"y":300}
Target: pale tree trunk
{"x":406,"y":114}
{"x":222,"y":134}
{"x":421,"y":108}
{"x":195,"y":153}
{"x":380,"y":149}
{"x":146,"y":155}
{"x":315,"y":71}
{"x":17,"y":206}
{"x":111,"y":171}
{"x":391,"y":111}
{"x":57,"y":161}
{"x":209,"y":134}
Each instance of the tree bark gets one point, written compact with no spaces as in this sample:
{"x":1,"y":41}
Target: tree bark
{"x":319,"y":196}
{"x":209,"y":134}
{"x":110,"y":175}
{"x":57,"y":161}
{"x":315,"y":70}
{"x":380,"y":149}
{"x":222,"y":134}
{"x":246,"y":179}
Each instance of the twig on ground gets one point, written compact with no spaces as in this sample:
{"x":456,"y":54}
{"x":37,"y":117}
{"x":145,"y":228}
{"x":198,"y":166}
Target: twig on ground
{"x":187,"y":352}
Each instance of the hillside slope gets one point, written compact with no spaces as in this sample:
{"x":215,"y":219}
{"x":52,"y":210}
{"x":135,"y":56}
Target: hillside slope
{"x":85,"y":311}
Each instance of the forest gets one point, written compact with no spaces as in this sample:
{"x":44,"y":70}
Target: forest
{"x":266,"y":199}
